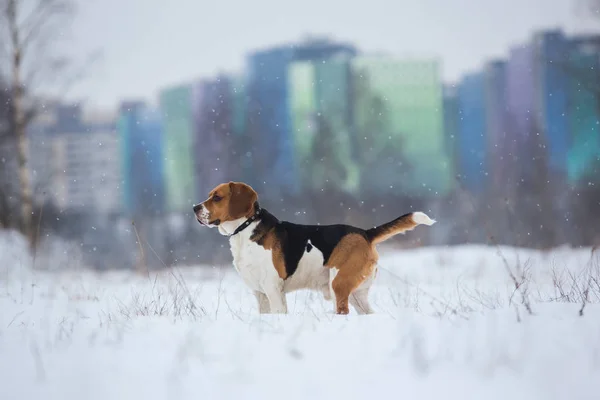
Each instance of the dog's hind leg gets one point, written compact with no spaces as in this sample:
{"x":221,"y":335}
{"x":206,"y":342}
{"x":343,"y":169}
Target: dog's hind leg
{"x":346,"y":283}
{"x":355,"y":261}
{"x":359,"y":299}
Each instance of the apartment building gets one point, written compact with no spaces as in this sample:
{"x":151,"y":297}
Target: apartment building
{"x":84,"y":162}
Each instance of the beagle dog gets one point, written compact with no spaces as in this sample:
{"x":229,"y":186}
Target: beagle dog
{"x":276,"y":257}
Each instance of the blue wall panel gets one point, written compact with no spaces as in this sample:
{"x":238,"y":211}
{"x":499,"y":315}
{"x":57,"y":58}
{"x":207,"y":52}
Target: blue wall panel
{"x":471,"y":141}
{"x":552,"y":95}
{"x":141,"y":134}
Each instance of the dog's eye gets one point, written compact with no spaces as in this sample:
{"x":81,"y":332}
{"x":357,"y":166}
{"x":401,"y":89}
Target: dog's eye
{"x":216,"y":198}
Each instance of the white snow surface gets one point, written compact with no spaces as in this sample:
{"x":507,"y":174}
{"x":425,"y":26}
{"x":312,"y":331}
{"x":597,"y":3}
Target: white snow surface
{"x":449,"y":325}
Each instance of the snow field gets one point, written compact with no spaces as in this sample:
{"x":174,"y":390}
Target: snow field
{"x":449,"y":324}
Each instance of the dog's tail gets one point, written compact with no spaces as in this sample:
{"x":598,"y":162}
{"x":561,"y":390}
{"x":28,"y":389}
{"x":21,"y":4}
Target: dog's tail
{"x":401,"y":224}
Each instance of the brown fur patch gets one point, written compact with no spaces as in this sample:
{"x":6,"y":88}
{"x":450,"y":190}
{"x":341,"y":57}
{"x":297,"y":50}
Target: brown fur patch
{"x":230,"y":201}
{"x":269,"y":242}
{"x":395,"y":227}
{"x":241,"y":200}
{"x":355,"y":258}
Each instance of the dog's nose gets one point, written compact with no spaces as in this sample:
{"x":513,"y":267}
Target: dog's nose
{"x":197,"y":208}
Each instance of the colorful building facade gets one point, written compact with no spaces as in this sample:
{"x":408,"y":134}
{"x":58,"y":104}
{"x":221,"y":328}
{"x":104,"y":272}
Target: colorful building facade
{"x":269,"y":123}
{"x":500,"y":142}
{"x":335,"y":125}
{"x":451,"y":123}
{"x":84,"y":162}
{"x":321,"y":109}
{"x":141,"y":141}
{"x":213,"y":130}
{"x":551,"y":54}
{"x":520,"y":99}
{"x":584,"y":110}
{"x":399,"y":121}
{"x":473,"y":166}
{"x":177,"y":118}
{"x":303,"y":111}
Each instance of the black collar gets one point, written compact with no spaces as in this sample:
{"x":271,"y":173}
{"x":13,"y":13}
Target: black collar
{"x":257,"y":212}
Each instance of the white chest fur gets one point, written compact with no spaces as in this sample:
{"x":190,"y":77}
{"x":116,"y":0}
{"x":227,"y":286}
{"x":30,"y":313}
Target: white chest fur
{"x":253,"y":263}
{"x":255,"y":266}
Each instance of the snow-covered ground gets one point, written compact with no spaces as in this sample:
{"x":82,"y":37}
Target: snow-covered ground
{"x":450,"y":325}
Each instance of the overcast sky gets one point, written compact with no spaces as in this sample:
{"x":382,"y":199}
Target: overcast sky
{"x":150,"y":44}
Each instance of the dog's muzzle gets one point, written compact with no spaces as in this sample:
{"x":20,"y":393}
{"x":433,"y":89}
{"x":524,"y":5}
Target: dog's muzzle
{"x":202,"y":216}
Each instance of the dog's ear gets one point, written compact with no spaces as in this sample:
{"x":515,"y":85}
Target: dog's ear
{"x":241,"y":200}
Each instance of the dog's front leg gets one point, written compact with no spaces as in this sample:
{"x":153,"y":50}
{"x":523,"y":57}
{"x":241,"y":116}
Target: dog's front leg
{"x":263,"y":302}
{"x":277,"y":299}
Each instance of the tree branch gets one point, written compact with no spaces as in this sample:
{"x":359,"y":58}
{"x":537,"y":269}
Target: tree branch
{"x":45,"y":12}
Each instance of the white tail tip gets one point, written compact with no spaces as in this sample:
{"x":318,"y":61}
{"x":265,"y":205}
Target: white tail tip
{"x":422,"y":218}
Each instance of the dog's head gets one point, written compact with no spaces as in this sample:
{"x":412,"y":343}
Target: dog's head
{"x":226,"y":202}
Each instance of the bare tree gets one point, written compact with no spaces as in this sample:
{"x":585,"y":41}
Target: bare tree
{"x":5,"y":220}
{"x":30,"y":60}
